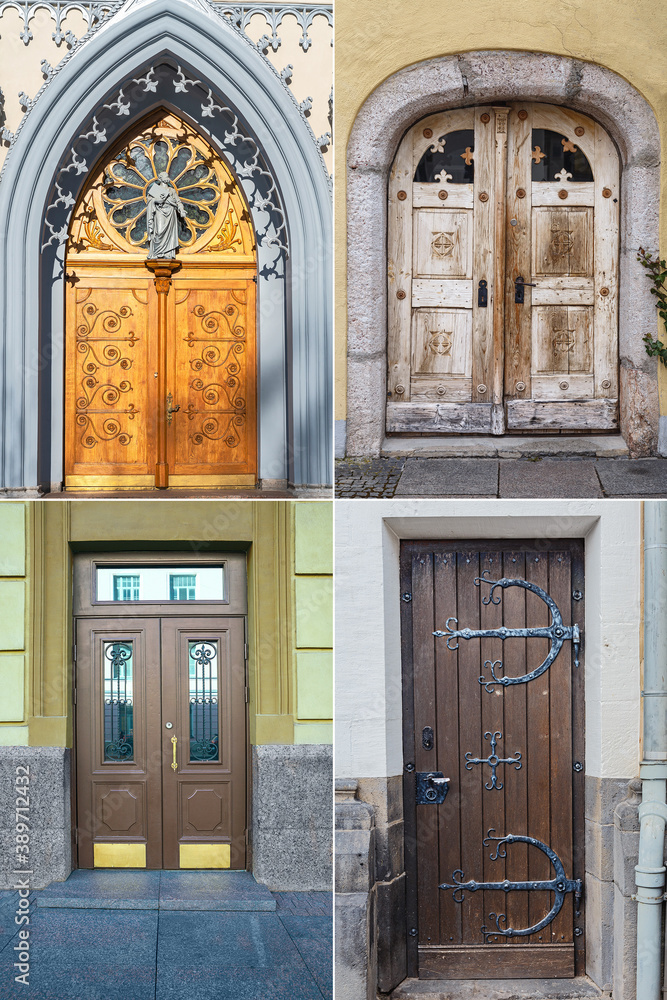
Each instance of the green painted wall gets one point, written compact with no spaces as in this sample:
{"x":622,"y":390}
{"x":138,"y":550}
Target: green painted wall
{"x":13,"y":624}
{"x":290,"y":597}
{"x":313,"y":621}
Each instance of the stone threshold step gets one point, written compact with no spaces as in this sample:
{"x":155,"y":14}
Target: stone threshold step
{"x":497,"y":989}
{"x":158,"y":890}
{"x":476,"y":446}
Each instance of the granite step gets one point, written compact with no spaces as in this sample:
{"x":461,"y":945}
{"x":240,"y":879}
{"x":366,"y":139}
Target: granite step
{"x":158,"y":890}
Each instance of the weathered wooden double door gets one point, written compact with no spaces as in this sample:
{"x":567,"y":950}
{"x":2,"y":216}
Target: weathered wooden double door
{"x":160,"y":727}
{"x":493,"y":759}
{"x":503,"y":273}
{"x":160,"y":361}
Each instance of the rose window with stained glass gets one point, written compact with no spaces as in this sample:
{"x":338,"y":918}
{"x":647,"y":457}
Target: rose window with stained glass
{"x":113,"y":214}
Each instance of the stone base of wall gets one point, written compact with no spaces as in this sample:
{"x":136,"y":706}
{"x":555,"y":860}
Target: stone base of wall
{"x":292,"y":789}
{"x":49,"y":815}
{"x":371,"y":886}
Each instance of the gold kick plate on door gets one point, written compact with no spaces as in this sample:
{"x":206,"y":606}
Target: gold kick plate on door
{"x":204,"y":855}
{"x":119,"y":855}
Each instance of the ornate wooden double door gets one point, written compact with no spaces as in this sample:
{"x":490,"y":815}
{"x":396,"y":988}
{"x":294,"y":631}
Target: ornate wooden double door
{"x":160,"y":355}
{"x":160,"y":719}
{"x":503,"y":273}
{"x":493,"y":758}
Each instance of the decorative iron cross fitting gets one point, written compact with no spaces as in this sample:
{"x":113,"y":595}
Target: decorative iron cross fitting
{"x":493,"y":760}
{"x":556,"y":632}
{"x":559,"y":885}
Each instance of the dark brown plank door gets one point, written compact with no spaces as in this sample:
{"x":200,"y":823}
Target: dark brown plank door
{"x":119,"y":770}
{"x":204,"y":800}
{"x":538,"y":724}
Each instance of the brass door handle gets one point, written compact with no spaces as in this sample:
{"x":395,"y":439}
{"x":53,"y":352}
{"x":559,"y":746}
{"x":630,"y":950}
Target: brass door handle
{"x":171,"y":409}
{"x":174,"y":765}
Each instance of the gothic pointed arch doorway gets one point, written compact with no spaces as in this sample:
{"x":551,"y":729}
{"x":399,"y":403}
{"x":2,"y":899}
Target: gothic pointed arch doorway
{"x":160,"y":371}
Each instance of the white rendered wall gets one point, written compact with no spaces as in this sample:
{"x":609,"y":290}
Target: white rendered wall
{"x":368,"y":708}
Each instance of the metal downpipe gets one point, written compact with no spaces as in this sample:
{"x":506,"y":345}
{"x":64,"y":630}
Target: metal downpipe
{"x":650,"y":868}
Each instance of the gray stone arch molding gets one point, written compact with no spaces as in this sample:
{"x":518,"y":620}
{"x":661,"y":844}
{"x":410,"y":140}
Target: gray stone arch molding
{"x":173,"y":54}
{"x":481,"y":78}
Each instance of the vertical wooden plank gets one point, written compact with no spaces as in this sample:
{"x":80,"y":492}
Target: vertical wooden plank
{"x":470,"y":722}
{"x":578,"y":613}
{"x":447,"y":735}
{"x":514,"y":738}
{"x":399,"y":273}
{"x":560,"y":678}
{"x":423,"y":644}
{"x":537,"y":750}
{"x":606,"y":242}
{"x":409,"y":808}
{"x":493,"y":806}
{"x":518,"y":253}
{"x":499,"y":187}
{"x":483,"y":256}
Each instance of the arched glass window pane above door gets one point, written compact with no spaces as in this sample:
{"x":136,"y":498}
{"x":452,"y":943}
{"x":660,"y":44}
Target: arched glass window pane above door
{"x":450,"y":159}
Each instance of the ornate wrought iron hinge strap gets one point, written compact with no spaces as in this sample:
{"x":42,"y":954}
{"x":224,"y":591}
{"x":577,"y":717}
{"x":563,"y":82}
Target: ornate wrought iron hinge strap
{"x":556,"y":632}
{"x":559,"y":885}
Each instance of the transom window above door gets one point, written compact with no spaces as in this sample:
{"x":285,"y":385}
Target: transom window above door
{"x":503,"y":273}
{"x":160,"y":583}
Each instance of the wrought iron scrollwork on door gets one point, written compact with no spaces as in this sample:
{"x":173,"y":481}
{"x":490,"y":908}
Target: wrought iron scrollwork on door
{"x":493,"y":760}
{"x":556,"y":632}
{"x":559,"y":885}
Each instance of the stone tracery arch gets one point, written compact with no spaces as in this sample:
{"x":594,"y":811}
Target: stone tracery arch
{"x":214,"y":59}
{"x":477,"y":78}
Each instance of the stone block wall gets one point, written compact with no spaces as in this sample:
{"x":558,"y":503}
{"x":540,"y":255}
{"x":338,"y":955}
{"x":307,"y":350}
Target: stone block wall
{"x":48,"y":816}
{"x":292,"y":791}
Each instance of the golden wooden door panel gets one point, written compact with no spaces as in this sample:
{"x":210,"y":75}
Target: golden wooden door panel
{"x":117,"y":425}
{"x":465,"y":354}
{"x":110,"y":397}
{"x":214,"y":432}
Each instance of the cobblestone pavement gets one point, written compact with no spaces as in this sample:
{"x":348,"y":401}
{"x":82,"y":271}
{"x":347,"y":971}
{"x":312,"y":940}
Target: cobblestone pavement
{"x":368,"y":477}
{"x":567,"y":478}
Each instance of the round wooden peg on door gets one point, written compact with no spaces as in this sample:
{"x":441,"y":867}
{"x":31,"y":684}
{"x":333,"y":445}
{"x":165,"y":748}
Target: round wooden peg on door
{"x":606,"y":192}
{"x":485,"y":119}
{"x":402,"y":195}
{"x":579,"y":130}
{"x":562,"y":194}
{"x":520,"y":193}
{"x":400,"y":294}
{"x":483,"y":196}
{"x":428,"y":132}
{"x":523,"y":115}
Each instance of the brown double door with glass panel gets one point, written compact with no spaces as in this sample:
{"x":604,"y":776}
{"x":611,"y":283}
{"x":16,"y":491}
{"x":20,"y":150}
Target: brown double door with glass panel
{"x":161,"y":749}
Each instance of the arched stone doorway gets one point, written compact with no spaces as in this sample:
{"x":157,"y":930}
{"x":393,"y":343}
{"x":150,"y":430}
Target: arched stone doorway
{"x":496,"y":78}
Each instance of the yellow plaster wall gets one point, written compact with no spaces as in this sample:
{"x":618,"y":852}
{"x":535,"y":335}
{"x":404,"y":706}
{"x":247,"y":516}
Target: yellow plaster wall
{"x":14,"y":556}
{"x":313,"y":621}
{"x":629,"y":38}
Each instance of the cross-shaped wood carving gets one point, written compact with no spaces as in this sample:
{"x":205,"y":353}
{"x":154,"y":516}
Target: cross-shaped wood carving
{"x":538,"y":154}
{"x":468,"y":156}
{"x":568,"y":146}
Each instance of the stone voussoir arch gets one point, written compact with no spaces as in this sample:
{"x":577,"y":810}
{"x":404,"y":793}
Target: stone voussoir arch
{"x":486,"y":77}
{"x":294,"y":325}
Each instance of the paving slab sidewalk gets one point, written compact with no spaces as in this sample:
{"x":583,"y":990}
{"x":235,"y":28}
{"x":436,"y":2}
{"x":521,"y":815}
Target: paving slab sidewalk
{"x":567,"y":478}
{"x":81,"y":952}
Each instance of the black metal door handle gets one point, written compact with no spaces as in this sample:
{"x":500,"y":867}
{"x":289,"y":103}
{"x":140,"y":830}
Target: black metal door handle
{"x":519,"y":285}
